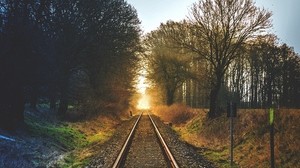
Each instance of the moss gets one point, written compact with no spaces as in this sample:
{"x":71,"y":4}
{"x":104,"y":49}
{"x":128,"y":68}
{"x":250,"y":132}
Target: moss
{"x":66,"y":136}
{"x":99,"y":137}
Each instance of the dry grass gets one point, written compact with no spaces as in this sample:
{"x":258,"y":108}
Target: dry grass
{"x":97,"y":130}
{"x":251,"y":135}
{"x":175,"y":114}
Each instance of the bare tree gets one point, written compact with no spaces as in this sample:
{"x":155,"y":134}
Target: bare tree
{"x":216,"y":31}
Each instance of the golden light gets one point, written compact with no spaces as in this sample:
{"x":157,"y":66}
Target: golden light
{"x":143,"y":102}
{"x":142,"y":85}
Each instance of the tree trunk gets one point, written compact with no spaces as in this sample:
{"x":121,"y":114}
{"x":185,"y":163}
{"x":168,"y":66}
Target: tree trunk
{"x":170,"y":96}
{"x":19,"y":105}
{"x":12,"y":105}
{"x":213,"y":112}
{"x":52,"y":96}
{"x":63,"y":104}
{"x":213,"y":103}
{"x":52,"y":103}
{"x":269,"y":91}
{"x":34,"y":97}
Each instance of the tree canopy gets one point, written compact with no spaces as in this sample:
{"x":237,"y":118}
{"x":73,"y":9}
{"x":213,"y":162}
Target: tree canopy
{"x":216,"y":30}
{"x":168,"y":69}
{"x":226,"y":55}
{"x":68,"y":52}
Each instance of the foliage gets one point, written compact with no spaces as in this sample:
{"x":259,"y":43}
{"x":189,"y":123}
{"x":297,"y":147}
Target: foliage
{"x":71,"y":52}
{"x":274,"y":70}
{"x":167,"y":68}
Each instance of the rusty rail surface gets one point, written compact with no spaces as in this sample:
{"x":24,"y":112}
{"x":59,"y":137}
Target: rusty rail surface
{"x":165,"y":147}
{"x":121,"y":157}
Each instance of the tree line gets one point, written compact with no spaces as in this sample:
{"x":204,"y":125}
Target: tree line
{"x":222,"y":53}
{"x":70,"y":53}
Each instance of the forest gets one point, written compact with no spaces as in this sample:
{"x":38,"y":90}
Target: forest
{"x":85,"y":56}
{"x":67,"y":53}
{"x":70,"y":72}
{"x":222,"y":53}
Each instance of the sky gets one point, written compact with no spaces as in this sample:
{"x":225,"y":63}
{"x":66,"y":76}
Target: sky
{"x":286,"y":16}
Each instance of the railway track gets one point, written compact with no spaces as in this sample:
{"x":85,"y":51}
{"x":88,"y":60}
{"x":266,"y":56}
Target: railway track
{"x":145,"y":147}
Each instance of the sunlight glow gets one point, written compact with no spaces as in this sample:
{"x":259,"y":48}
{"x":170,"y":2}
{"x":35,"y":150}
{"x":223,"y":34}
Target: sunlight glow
{"x":143,"y":102}
{"x":142,"y":85}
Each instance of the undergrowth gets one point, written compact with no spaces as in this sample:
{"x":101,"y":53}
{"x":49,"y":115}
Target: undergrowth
{"x":68,"y":137}
{"x":76,"y":139}
{"x":97,"y":131}
{"x":73,"y":160}
{"x":251,"y":138}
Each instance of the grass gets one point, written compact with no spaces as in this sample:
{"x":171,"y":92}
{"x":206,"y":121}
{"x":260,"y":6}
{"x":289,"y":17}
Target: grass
{"x":100,"y":137}
{"x":82,"y":156}
{"x":66,"y":136}
{"x":97,"y":130}
{"x":251,"y":137}
{"x":77,"y":139}
{"x":219,"y":156}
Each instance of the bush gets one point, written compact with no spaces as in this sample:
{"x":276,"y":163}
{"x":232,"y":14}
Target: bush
{"x":175,"y":114}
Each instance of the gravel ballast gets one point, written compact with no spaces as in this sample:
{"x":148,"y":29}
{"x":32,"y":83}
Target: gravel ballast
{"x":108,"y":152}
{"x":185,"y":154}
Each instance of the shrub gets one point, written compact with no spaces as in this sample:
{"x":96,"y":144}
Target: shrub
{"x":175,"y":114}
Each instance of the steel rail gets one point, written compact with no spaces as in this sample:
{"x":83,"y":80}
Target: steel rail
{"x":164,"y":145}
{"x":125,"y":147}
